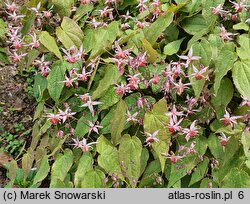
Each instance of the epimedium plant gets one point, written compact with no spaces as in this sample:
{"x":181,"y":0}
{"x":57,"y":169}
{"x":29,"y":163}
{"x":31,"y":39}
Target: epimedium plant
{"x":134,"y":93}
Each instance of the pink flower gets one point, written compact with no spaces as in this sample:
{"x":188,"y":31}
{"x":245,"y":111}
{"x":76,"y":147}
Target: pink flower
{"x":119,"y":53}
{"x":172,"y":157}
{"x":189,"y":58}
{"x":85,"y":97}
{"x":69,"y":81}
{"x":238,"y":6}
{"x":199,"y":74}
{"x":245,"y":101}
{"x":133,"y":81}
{"x":223,"y":139}
{"x":121,"y":89}
{"x":18,"y":44}
{"x":142,"y":25}
{"x":226,"y":36}
{"x":84,"y":75}
{"x":71,"y":55}
{"x":60,"y":134}
{"x":139,"y":103}
{"x":87,"y":1}
{"x":180,"y":87}
{"x":151,"y":138}
{"x":83,"y":145}
{"x":36,"y":9}
{"x":17,"y":57}
{"x":174,"y":113}
{"x":11,"y":7}
{"x":229,"y":120}
{"x":54,"y":118}
{"x":132,"y":117}
{"x":106,"y":11}
{"x":155,"y":79}
{"x":48,"y":13}
{"x":14,"y":17}
{"x":126,"y":16}
{"x":174,"y":125}
{"x":219,"y":10}
{"x":90,"y":105}
{"x":64,"y":115}
{"x":142,"y":5}
{"x":177,"y":69}
{"x":190,"y":132}
{"x":94,"y":127}
{"x":35,"y":43}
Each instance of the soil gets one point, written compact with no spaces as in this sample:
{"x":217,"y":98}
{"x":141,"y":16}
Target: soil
{"x":15,"y":106}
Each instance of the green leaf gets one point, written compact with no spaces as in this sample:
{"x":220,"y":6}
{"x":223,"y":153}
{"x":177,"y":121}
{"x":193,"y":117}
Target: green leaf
{"x":144,"y":160}
{"x":195,"y":24}
{"x":223,"y":97}
{"x":109,"y":99}
{"x":27,"y":161}
{"x":216,"y":45}
{"x":156,"y":120}
{"x":215,"y":146}
{"x":151,"y":52}
{"x":118,"y":122}
{"x":241,"y":77}
{"x":49,"y":42}
{"x":63,"y":8}
{"x":154,"y":31}
{"x":200,"y":171}
{"x":150,"y":174}
{"x":126,"y":3}
{"x":104,"y":38}
{"x":187,"y":163}
{"x":233,"y":158}
{"x":110,"y":77}
{"x":105,"y":123}
{"x":39,"y":87}
{"x":85,"y":165}
{"x":244,"y":50}
{"x":220,"y":153}
{"x":245,"y":139}
{"x":55,"y":78}
{"x":108,"y":158}
{"x":3,"y":56}
{"x":130,"y":150}
{"x":206,"y":11}
{"x":173,"y":47}
{"x":206,"y":183}
{"x":82,"y":126}
{"x":93,"y":179}
{"x":241,"y":26}
{"x":191,"y":5}
{"x":89,"y":38}
{"x":223,"y":64}
{"x":42,"y":171}
{"x":83,"y":11}
{"x":201,"y":144}
{"x":159,"y":148}
{"x":3,"y":28}
{"x":61,"y":167}
{"x":204,"y":50}
{"x":28,"y":23}
{"x":12,"y":168}
{"x":236,"y":178}
{"x":70,"y":34}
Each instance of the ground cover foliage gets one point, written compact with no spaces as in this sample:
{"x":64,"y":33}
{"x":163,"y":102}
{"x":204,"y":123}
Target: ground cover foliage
{"x":132,"y":93}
